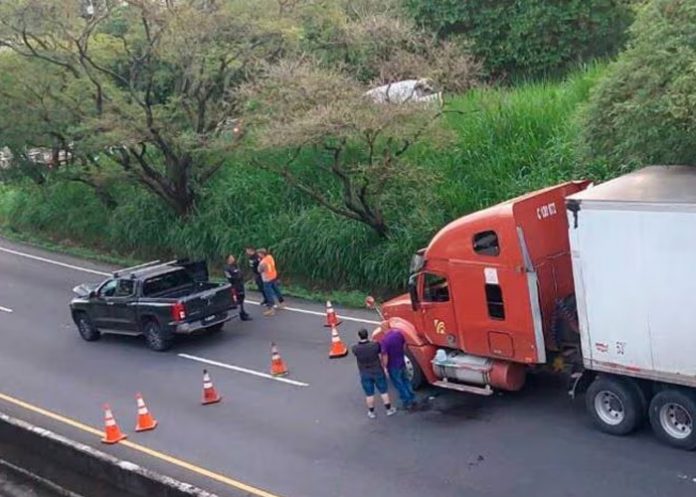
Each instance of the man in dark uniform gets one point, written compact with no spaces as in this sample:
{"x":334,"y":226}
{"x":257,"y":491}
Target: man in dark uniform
{"x":236,"y":279}
{"x":254,"y":261}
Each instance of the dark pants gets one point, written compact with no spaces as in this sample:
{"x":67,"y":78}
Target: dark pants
{"x":259,"y":285}
{"x":399,"y":378}
{"x":240,"y":300}
{"x":271,"y":291}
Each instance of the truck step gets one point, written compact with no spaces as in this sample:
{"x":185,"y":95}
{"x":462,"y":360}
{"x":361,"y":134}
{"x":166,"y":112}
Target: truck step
{"x":487,"y":390}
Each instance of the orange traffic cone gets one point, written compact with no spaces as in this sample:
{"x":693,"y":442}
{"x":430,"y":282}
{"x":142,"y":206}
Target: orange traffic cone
{"x":338,"y":348}
{"x":278,"y":367}
{"x":145,"y":420}
{"x":112,"y":433}
{"x":210,"y":396}
{"x":331,"y":318}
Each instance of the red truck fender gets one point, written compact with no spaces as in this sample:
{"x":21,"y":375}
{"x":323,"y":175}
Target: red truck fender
{"x":421,"y":351}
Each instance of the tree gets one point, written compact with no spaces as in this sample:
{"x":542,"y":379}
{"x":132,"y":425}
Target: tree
{"x":644,"y":109}
{"x":530,"y":37}
{"x":149,"y":86}
{"x":303,"y":104}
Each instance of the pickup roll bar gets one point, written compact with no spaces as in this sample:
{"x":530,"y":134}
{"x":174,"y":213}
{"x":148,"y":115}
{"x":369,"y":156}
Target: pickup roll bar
{"x":147,"y":265}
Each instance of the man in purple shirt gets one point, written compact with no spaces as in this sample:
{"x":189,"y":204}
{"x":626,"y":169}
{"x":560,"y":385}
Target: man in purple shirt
{"x":392,"y":346}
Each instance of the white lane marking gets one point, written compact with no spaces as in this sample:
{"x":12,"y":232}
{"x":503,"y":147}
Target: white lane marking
{"x":243,"y":370}
{"x":55,"y":263}
{"x":317,"y":313}
{"x":101,"y":273}
{"x":5,"y":309}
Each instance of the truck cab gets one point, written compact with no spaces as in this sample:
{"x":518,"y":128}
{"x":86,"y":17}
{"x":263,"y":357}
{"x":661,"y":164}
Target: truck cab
{"x":484,"y":294}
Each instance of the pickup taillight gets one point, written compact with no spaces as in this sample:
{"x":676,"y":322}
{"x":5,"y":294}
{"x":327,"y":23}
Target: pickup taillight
{"x":233,"y":295}
{"x":179,"y":311}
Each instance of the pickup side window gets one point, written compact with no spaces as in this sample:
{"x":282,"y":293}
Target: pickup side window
{"x":494,"y":299}
{"x":435,"y":288}
{"x":486,"y":243}
{"x":125,"y":288}
{"x":108,"y":289}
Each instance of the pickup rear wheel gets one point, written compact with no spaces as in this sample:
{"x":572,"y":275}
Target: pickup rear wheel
{"x":672,"y":417}
{"x":157,"y":338}
{"x":614,"y":405}
{"x":86,"y":327}
{"x":217,"y":328}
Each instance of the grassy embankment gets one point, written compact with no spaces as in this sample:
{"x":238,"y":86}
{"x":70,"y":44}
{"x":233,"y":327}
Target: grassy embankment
{"x":508,"y":141}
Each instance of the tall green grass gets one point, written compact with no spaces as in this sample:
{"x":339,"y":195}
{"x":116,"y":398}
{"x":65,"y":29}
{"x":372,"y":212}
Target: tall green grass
{"x":507,"y":141}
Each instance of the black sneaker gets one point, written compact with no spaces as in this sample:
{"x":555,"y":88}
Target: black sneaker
{"x":245,"y":317}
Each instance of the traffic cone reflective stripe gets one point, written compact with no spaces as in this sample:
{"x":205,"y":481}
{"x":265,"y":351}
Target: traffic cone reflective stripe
{"x":112,"y":433}
{"x":331,"y":318}
{"x":278,"y":367}
{"x":145,"y":420}
{"x":210,"y":396}
{"x":338,"y":348}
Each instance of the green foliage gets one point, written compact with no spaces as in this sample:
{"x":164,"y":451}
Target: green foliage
{"x":530,"y":38}
{"x":508,"y":142}
{"x":644,"y":109}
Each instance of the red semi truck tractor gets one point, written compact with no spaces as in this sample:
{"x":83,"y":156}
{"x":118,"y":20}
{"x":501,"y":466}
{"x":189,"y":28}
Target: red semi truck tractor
{"x":597,"y":282}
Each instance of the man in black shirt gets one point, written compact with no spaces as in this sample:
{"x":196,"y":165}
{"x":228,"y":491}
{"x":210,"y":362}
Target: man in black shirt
{"x":236,"y":279}
{"x":254,"y":261}
{"x":372,"y":373}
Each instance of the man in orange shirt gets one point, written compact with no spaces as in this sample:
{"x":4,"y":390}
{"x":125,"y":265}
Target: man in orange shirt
{"x":269,"y":275}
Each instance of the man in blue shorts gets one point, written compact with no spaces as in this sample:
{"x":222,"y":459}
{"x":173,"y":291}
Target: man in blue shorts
{"x":372,"y":374}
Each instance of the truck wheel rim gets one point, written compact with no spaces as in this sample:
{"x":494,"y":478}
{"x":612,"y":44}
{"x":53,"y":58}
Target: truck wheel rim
{"x":409,"y":368}
{"x":609,"y":408}
{"x":84,"y":327}
{"x":676,"y":421}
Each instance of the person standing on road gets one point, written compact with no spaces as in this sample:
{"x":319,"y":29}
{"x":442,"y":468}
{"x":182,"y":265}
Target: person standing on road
{"x":372,"y":374}
{"x":254,"y":261}
{"x":393,"y":351}
{"x":269,"y":275}
{"x":235,"y":278}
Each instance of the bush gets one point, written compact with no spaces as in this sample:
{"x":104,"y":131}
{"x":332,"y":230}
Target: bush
{"x":530,"y":38}
{"x":644,"y":109}
{"x":508,"y":141}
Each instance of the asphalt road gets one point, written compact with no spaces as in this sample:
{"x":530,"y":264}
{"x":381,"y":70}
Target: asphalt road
{"x":303,"y":441}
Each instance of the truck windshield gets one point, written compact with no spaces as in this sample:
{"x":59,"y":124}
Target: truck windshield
{"x":163,"y":283}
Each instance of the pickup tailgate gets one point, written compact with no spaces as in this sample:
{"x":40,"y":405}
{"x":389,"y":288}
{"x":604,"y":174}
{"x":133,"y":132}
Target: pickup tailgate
{"x":208,"y":302}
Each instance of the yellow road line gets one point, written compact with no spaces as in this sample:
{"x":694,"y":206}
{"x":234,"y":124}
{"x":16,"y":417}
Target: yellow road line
{"x":141,"y":448}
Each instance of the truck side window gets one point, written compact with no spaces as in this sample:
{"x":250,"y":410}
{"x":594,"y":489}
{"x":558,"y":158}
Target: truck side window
{"x":494,"y":299}
{"x":125,"y":288}
{"x":108,"y":289}
{"x":435,"y":288}
{"x":486,"y":243}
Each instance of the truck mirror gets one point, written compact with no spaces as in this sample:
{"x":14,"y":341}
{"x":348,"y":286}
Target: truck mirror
{"x":370,"y":302}
{"x":413,"y":292}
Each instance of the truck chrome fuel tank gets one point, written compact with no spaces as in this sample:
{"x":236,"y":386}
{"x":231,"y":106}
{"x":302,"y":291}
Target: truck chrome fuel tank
{"x":454,"y":365}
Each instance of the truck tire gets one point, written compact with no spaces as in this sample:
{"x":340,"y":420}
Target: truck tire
{"x":86,"y":327}
{"x":157,"y":338}
{"x":415,"y":373}
{"x":672,"y":416}
{"x":614,"y":405}
{"x":215,"y":328}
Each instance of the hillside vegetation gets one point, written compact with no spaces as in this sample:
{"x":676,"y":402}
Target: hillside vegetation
{"x":507,"y":141}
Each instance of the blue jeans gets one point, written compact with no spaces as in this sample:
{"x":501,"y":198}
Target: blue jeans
{"x":399,"y":378}
{"x":370,"y":381}
{"x":271,"y":291}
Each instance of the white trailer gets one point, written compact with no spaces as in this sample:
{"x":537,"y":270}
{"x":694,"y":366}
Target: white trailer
{"x":633,"y":247}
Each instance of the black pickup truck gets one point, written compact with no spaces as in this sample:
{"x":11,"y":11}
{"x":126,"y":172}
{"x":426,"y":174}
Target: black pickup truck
{"x":157,"y":300}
